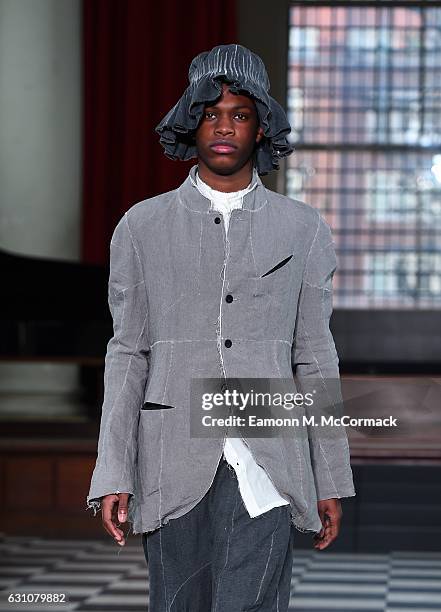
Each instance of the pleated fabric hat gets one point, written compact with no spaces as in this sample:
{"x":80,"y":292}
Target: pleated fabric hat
{"x":246,"y":74}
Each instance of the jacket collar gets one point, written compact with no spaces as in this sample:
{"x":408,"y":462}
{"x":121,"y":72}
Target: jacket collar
{"x":190,"y":196}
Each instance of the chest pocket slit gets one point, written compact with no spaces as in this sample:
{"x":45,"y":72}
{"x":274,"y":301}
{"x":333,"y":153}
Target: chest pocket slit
{"x":277,"y":266}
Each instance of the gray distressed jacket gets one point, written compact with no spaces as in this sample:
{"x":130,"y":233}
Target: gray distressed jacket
{"x":171,"y":267}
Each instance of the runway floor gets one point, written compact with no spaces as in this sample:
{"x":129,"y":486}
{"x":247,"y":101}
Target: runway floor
{"x":97,"y":575}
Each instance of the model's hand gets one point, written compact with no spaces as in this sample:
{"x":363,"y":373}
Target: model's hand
{"x":113,"y":513}
{"x":330,"y":514}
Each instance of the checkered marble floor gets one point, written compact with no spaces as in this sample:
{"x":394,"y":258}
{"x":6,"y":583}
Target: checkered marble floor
{"x":97,"y":575}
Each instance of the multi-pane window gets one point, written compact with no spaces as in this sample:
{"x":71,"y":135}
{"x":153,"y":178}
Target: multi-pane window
{"x":364,"y":102}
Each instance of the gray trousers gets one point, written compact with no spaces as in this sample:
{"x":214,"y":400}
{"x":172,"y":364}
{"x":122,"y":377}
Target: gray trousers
{"x":216,"y":558}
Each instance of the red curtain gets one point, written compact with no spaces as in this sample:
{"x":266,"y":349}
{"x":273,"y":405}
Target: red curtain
{"x":136,"y":55}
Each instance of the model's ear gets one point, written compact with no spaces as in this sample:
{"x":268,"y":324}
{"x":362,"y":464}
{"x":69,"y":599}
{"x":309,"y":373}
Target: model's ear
{"x":259,"y":134}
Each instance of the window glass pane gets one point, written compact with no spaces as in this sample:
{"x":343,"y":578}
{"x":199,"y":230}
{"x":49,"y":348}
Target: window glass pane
{"x":364,"y":102}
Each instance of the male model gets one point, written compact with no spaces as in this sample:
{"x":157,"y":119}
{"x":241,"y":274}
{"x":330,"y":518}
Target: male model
{"x":219,"y":278}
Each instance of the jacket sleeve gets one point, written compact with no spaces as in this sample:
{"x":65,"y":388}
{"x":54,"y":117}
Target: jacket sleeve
{"x":316,"y":367}
{"x":125,"y":371}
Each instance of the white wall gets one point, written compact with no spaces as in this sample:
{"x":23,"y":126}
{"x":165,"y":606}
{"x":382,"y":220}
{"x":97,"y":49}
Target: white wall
{"x":40,"y":126}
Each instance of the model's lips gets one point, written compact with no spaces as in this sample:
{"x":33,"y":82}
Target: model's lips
{"x":223,"y":148}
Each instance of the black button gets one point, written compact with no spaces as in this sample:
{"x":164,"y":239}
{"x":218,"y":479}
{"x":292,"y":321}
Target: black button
{"x":217,"y":219}
{"x":228,"y":343}
{"x":229,"y":298}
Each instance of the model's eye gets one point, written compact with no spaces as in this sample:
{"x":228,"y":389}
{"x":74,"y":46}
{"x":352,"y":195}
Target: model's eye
{"x":209,"y":114}
{"x":242,"y":116}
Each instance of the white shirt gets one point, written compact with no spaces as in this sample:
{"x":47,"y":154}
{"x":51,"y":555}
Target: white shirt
{"x":258,"y":492}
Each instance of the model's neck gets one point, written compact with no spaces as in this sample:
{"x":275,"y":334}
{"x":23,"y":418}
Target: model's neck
{"x":226,"y":183}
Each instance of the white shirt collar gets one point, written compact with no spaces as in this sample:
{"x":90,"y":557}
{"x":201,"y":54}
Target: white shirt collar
{"x":228,"y":200}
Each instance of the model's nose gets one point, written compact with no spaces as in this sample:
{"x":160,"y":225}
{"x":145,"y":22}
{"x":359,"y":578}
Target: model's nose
{"x":224,"y":126}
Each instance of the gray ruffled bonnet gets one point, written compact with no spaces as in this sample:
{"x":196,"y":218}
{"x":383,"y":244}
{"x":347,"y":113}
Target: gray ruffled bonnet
{"x":246,"y":73}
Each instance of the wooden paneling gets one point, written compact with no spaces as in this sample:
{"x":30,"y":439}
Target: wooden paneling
{"x":28,"y":483}
{"x":44,"y":484}
{"x":73,"y":480}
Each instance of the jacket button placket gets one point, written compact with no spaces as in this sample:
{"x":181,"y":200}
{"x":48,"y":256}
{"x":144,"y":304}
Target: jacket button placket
{"x":223,"y":387}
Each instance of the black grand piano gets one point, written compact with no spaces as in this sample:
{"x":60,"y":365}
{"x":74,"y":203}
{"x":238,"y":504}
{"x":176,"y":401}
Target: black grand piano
{"x":53,"y":308}
{"x":56,"y":311}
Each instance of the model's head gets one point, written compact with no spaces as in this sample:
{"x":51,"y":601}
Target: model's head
{"x":221,"y":80}
{"x":228,"y":133}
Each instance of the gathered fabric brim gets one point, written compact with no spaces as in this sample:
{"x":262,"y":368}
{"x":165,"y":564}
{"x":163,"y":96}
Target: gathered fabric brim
{"x":177,"y":128}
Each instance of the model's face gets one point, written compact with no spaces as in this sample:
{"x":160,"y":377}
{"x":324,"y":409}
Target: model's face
{"x":228,"y":133}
